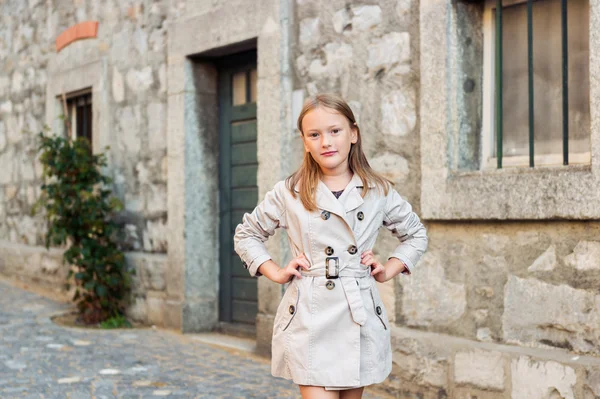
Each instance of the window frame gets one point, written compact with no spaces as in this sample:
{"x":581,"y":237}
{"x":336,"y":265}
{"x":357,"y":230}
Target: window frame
{"x":450,"y":193}
{"x":71,"y":105}
{"x":488,"y":159}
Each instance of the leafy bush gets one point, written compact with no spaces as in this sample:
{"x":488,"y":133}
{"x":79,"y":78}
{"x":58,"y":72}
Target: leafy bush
{"x":116,"y":322}
{"x":79,"y":207}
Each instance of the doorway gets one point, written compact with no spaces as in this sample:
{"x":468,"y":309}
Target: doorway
{"x":238,"y":165}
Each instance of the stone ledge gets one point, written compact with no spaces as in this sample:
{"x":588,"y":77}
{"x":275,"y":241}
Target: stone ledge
{"x":440,"y":365}
{"x":449,"y":344}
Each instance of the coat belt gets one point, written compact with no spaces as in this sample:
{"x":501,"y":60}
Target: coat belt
{"x":348,"y":278}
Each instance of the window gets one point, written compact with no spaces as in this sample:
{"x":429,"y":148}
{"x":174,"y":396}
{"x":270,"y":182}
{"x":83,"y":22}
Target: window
{"x":539,"y":55}
{"x":244,"y":87}
{"x":79,"y":108}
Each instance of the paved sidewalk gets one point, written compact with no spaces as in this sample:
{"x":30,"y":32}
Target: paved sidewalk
{"x":39,"y":359}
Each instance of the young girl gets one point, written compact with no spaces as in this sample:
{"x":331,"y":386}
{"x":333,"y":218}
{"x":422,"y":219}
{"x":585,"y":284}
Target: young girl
{"x":331,"y":333}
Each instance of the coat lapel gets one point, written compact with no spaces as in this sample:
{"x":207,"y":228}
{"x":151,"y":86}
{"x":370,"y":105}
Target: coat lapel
{"x":351,"y":198}
{"x":348,"y":201}
{"x":327,"y":201}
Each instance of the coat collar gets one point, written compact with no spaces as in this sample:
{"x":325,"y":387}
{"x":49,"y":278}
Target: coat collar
{"x":348,"y":201}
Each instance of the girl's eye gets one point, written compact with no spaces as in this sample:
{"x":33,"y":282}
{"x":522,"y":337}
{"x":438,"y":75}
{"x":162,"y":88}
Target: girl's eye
{"x":313,"y":135}
{"x":335,"y":131}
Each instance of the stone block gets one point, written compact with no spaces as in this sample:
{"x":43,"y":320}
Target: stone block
{"x":138,"y":309}
{"x":173,"y":316}
{"x":338,"y":58}
{"x":309,"y":32}
{"x":392,"y":166}
{"x":152,"y":274}
{"x":139,"y":81}
{"x":541,"y":379}
{"x":419,"y":362}
{"x":592,"y":383}
{"x":545,"y":262}
{"x":431,"y":299}
{"x":585,"y":256}
{"x":398,"y":112}
{"x":155,"y":236}
{"x":365,"y":18}
{"x":129,"y":123}
{"x":389,"y":53}
{"x":118,"y":86}
{"x":201,"y":314}
{"x":483,"y":369}
{"x":6,"y":166}
{"x":534,"y":314}
{"x":3,"y":139}
{"x":157,"y":127}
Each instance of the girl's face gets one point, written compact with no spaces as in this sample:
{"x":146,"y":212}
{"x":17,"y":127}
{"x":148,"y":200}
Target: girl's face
{"x":328,"y":136}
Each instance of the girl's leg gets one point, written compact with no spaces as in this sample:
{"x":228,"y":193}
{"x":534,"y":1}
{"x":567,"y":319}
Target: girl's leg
{"x":312,"y":392}
{"x":355,"y":393}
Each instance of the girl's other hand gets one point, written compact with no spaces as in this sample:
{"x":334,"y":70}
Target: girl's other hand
{"x":285,"y":274}
{"x":378,"y":270}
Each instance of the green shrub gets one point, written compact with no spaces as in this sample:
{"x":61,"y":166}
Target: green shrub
{"x":116,"y":322}
{"x":79,"y":209}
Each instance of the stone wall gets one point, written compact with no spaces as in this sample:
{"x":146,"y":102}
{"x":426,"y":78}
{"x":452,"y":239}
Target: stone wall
{"x":495,"y":309}
{"x":368,"y":53}
{"x":125,"y":67}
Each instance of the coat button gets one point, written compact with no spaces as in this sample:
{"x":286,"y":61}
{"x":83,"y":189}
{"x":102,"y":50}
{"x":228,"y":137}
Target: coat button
{"x":352,"y":249}
{"x":330,"y":285}
{"x":329,"y":251}
{"x":378,"y":310}
{"x":325,"y":215}
{"x":292,"y":309}
{"x":360,"y":215}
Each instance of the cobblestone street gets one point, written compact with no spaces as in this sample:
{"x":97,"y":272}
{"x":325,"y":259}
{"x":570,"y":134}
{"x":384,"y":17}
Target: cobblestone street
{"x":39,"y":359}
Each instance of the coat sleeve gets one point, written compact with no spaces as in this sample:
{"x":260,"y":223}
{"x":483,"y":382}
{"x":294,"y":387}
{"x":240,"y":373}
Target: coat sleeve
{"x":257,"y":227}
{"x":407,"y":227}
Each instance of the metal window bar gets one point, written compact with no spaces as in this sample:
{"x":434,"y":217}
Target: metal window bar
{"x":530,"y":62}
{"x":499,"y":82}
{"x":565,"y":81}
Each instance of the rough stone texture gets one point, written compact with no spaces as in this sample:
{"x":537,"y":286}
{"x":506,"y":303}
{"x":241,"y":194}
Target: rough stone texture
{"x":124,"y":60}
{"x":534,"y":313}
{"x":508,"y":193}
{"x":392,"y":166}
{"x":592,"y":383}
{"x":540,"y":380}
{"x":432,"y":299}
{"x":309,"y":32}
{"x":545,"y":262}
{"x":398,"y":113}
{"x":481,"y":369}
{"x":418,"y":362}
{"x":585,"y":256}
{"x":390,"y":52}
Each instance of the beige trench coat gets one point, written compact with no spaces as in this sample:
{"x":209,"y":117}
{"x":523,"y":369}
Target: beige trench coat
{"x":332,"y":332}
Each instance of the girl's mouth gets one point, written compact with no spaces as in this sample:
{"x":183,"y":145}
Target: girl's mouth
{"x":327,"y":154}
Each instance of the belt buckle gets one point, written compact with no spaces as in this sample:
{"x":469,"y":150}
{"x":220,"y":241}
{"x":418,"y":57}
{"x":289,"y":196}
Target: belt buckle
{"x":337,"y":267}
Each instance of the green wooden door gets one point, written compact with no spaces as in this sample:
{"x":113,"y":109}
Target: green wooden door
{"x":238,"y":189}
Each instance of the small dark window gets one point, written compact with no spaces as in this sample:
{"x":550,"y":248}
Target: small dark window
{"x":80,"y":116}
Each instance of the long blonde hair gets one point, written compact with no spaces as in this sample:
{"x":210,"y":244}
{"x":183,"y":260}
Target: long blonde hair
{"x":309,"y":173}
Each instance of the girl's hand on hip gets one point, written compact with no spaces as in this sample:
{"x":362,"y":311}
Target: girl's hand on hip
{"x":285,"y":274}
{"x":378,"y":270}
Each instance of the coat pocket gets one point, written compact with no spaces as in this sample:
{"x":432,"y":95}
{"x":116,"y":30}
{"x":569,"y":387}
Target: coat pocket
{"x":290,"y":306}
{"x":378,"y":307}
